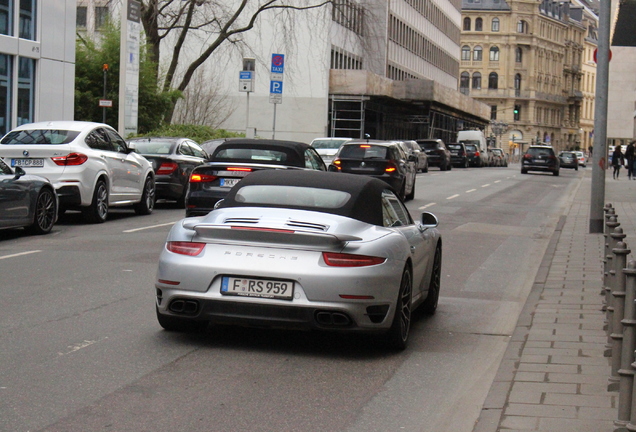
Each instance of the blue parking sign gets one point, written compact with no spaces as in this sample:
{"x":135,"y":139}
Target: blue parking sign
{"x":276,"y":87}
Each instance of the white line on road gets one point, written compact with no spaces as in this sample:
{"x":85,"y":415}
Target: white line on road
{"x":149,"y":227}
{"x":497,"y":181}
{"x":471,"y":190}
{"x":486,"y":185}
{"x":452,"y":197}
{"x":427,"y":206}
{"x":19,"y":254}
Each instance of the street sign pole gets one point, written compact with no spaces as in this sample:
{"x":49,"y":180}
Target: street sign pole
{"x":274,"y":125}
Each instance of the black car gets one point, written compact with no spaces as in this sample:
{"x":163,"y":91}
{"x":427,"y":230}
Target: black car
{"x":437,"y":153}
{"x":540,"y":158}
{"x":569,"y":160}
{"x":476,"y":158}
{"x":27,"y":201}
{"x":237,"y":158}
{"x":385,"y":160}
{"x":459,"y":157}
{"x":173,"y":159}
{"x":413,"y":150}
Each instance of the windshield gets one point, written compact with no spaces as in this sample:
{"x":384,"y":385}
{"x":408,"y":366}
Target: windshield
{"x":284,"y":196}
{"x":40,"y":136}
{"x":328,"y":143}
{"x":470,"y":142}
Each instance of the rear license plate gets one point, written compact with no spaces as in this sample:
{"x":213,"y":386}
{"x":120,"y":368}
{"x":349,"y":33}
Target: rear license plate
{"x":540,"y":161}
{"x":264,"y":288}
{"x":454,"y":153}
{"x":35,"y":163}
{"x":229,"y":182}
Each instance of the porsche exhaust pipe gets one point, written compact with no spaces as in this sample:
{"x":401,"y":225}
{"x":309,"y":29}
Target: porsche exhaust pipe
{"x":333,"y":319}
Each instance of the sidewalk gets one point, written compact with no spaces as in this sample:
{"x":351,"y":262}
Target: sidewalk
{"x":554,"y":376}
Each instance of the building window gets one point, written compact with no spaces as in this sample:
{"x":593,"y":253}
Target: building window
{"x":479,"y":24}
{"x":477,"y":81}
{"x":6,"y":17}
{"x":494,"y":53}
{"x":26,"y":90}
{"x":467,"y":24}
{"x":477,"y":53}
{"x":518,"y":55}
{"x":493,"y":81}
{"x":465,"y":52}
{"x":101,"y":16}
{"x":27,"y":19}
{"x":5,"y":93}
{"x":495,"y":24}
{"x":493,"y":112}
{"x":464,"y":82}
{"x":517,"y":85}
{"x":348,"y":14}
{"x":522,"y":27}
{"x":80,"y":20}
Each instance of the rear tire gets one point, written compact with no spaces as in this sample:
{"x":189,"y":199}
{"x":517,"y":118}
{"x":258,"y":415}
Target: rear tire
{"x":430,"y":304}
{"x":398,"y":335}
{"x":174,"y":324}
{"x":97,"y":212}
{"x":147,"y":203}
{"x":411,"y":195}
{"x":45,"y":213}
{"x":425,"y":170}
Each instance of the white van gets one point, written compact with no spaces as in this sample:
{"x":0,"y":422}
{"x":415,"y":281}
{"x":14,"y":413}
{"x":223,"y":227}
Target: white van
{"x":473,"y":137}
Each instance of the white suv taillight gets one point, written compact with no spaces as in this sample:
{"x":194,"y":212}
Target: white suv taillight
{"x":70,"y":159}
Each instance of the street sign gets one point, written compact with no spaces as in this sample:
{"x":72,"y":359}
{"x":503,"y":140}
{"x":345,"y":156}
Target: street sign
{"x":595,"y":52}
{"x":105,"y":103}
{"x":276,"y":87}
{"x":276,"y":78}
{"x":245,"y":75}
{"x":278,"y":63}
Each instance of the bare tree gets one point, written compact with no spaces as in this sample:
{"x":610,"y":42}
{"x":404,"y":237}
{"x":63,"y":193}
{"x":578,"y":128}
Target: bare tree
{"x":203,"y":103}
{"x":212,"y":22}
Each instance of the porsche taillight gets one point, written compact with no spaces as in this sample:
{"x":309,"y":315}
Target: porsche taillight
{"x":202,"y":178}
{"x":167,"y":168}
{"x":70,"y":159}
{"x":334,"y":259}
{"x":185,"y":248}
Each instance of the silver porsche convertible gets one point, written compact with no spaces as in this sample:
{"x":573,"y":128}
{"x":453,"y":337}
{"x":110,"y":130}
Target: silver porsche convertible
{"x":302,"y":250}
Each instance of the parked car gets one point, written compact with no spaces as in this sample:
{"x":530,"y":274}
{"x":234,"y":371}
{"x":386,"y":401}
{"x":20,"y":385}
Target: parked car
{"x":476,"y":157}
{"x":413,"y":150}
{"x":581,"y":158}
{"x":302,"y":250}
{"x":235,"y":159}
{"x":89,"y":165}
{"x":498,"y":158}
{"x":385,"y":160}
{"x":540,"y":158}
{"x":437,"y":153}
{"x":327,"y":147}
{"x":27,"y":201}
{"x":568,"y":160}
{"x":173,"y":159}
{"x":459,"y":157}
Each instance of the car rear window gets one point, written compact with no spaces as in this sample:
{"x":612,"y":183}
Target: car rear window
{"x":470,"y":147}
{"x":152,"y":147}
{"x":295,"y":196}
{"x":39,"y":136}
{"x":364,"y":151}
{"x":540,"y":152}
{"x":432,"y":145}
{"x":327,"y":144}
{"x":248,"y":154}
{"x":454,"y":147}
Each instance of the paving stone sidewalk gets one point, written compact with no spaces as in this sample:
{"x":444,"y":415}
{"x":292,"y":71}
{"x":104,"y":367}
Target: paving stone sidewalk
{"x":554,"y":375}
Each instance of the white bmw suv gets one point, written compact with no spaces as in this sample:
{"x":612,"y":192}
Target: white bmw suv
{"x":89,"y":164}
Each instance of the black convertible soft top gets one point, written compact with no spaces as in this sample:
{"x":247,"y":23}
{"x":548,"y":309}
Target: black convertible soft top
{"x":364,"y":205}
{"x":294,"y":151}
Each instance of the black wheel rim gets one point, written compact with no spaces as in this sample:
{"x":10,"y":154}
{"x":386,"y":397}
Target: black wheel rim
{"x":436,"y":277}
{"x":45,"y":211}
{"x":102,"y":201}
{"x":405,"y":306}
{"x":150,"y":194}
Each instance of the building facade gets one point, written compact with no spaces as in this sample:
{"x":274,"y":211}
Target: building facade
{"x":524,"y":59}
{"x":37,"y":61}
{"x":588,"y":80}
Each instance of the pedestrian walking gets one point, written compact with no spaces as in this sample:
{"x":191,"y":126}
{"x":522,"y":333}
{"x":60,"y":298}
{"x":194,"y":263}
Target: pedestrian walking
{"x":629,"y":157}
{"x":618,"y":159}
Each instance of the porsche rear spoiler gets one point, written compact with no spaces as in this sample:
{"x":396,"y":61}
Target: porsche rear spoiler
{"x":263,"y":234}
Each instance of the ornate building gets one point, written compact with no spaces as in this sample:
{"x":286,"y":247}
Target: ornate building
{"x":524,"y":59}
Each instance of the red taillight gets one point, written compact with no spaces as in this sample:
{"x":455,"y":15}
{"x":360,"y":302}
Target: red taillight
{"x":348,"y":260}
{"x":390,"y":167}
{"x":202,"y":178}
{"x":167,"y":168}
{"x":476,"y":153}
{"x":337,"y":163}
{"x":240,"y":169}
{"x":527,"y":156}
{"x":185,"y":248}
{"x":70,"y":159}
{"x":168,"y":282}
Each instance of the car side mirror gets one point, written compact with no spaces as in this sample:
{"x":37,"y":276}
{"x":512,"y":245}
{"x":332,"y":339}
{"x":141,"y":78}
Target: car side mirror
{"x":429,"y":220}
{"x":19,"y":172}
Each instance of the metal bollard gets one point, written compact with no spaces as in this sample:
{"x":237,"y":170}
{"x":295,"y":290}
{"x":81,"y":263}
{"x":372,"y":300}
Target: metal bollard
{"x":610,"y":243}
{"x":626,"y":410}
{"x":610,"y":212}
{"x":618,"y":294}
{"x":615,"y":237}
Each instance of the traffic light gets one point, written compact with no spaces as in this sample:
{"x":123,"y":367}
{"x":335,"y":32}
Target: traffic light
{"x":517,"y":112}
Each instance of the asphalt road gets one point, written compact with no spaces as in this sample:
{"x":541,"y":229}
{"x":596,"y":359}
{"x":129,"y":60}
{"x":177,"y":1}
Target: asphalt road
{"x":81,"y":349}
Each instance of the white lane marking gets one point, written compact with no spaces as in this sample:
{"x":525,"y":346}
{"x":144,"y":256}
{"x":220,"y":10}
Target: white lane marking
{"x":149,"y":227}
{"x":19,"y":254}
{"x":77,"y":347}
{"x":426,"y":206}
{"x":486,"y":185}
{"x":452,"y":197}
{"x":471,"y":190}
{"x":497,"y":181}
